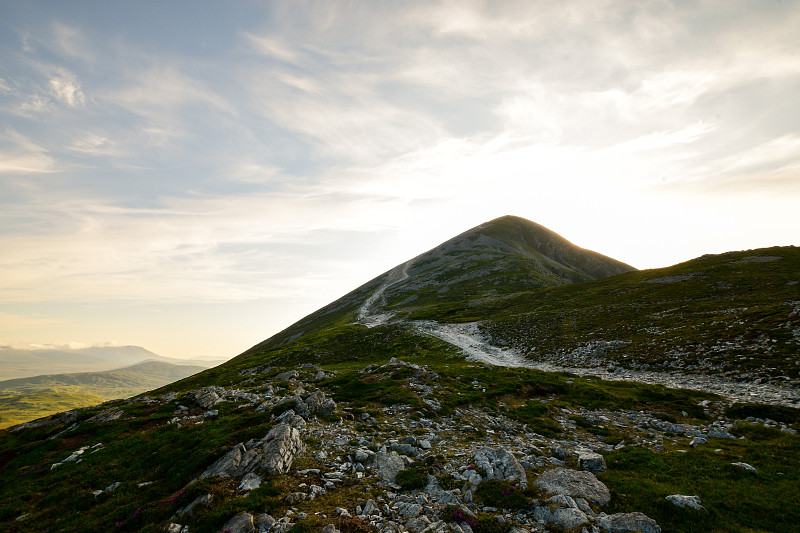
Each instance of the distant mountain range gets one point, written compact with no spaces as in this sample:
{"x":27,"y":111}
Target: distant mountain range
{"x":20,"y":363}
{"x":23,"y":399}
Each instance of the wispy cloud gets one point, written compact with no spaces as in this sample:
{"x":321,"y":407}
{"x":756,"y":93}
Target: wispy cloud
{"x":66,"y":88}
{"x":21,"y":155}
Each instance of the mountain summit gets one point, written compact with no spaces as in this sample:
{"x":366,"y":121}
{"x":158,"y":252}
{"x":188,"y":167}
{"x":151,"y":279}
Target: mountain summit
{"x":487,"y":263}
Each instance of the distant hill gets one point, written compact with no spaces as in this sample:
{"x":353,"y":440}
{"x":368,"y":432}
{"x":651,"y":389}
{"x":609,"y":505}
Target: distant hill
{"x":24,"y":399}
{"x":20,"y":363}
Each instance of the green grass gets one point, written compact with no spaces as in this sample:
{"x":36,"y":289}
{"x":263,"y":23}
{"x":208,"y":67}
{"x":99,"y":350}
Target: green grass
{"x":735,"y":501}
{"x":731,"y":317}
{"x":16,"y":407}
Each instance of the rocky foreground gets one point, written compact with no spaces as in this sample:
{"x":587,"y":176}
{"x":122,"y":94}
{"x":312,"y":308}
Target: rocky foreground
{"x":393,"y":470}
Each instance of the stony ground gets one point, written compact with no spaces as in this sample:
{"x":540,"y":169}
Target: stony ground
{"x":392,"y":470}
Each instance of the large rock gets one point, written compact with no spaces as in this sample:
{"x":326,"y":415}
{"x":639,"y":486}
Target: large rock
{"x":274,"y":454}
{"x":234,"y":464}
{"x":628,"y":523}
{"x":281,"y":445}
{"x":418,"y":524}
{"x":241,"y":523}
{"x":567,"y":518}
{"x":388,"y":465}
{"x":250,"y":481}
{"x":207,"y":397}
{"x":592,"y":462}
{"x":500,"y":464}
{"x":574,"y":483}
{"x":317,"y":404}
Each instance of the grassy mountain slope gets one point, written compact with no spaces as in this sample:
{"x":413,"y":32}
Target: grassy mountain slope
{"x":493,"y":260}
{"x":736,"y":313}
{"x":24,"y":399}
{"x":529,"y":290}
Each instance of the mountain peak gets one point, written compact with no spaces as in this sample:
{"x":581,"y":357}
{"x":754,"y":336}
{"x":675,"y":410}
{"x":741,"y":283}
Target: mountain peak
{"x":489,"y":262}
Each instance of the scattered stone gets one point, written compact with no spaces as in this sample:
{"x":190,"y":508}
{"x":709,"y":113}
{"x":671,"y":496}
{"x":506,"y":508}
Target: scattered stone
{"x":296,"y":497}
{"x":286,"y":376}
{"x":746,"y":467}
{"x":408,"y":510}
{"x":317,"y":404}
{"x":419,"y":524}
{"x":698,"y":441}
{"x":113,"y":486}
{"x":238,"y":461}
{"x":681,"y":500}
{"x":405,"y":449}
{"x":265,"y":523}
{"x":107,"y":416}
{"x":370,"y":508}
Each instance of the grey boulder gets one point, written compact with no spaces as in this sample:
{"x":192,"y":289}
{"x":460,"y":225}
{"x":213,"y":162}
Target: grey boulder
{"x":574,"y":483}
{"x":629,"y":523}
{"x":567,"y":518}
{"x":274,"y":454}
{"x":592,"y":462}
{"x":682,"y":500}
{"x":746,"y":467}
{"x":499,"y":463}
{"x":281,"y":445}
{"x":241,"y":523}
{"x":234,"y":464}
{"x":388,"y":465}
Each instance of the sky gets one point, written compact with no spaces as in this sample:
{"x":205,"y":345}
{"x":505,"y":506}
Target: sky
{"x":193,"y":176}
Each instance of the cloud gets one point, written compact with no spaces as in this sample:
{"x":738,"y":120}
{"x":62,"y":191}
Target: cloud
{"x":21,"y":155}
{"x":273,"y":48}
{"x":96,"y":145}
{"x":64,"y":87}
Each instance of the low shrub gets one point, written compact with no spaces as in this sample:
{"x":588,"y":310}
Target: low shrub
{"x":502,"y":494}
{"x":412,"y":478}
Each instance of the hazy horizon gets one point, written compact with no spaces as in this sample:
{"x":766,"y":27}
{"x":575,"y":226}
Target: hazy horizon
{"x":193,"y":178}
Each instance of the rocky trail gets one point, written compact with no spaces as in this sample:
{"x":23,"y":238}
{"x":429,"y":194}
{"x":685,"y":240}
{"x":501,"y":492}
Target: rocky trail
{"x":369,"y":313}
{"x":476,"y":347}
